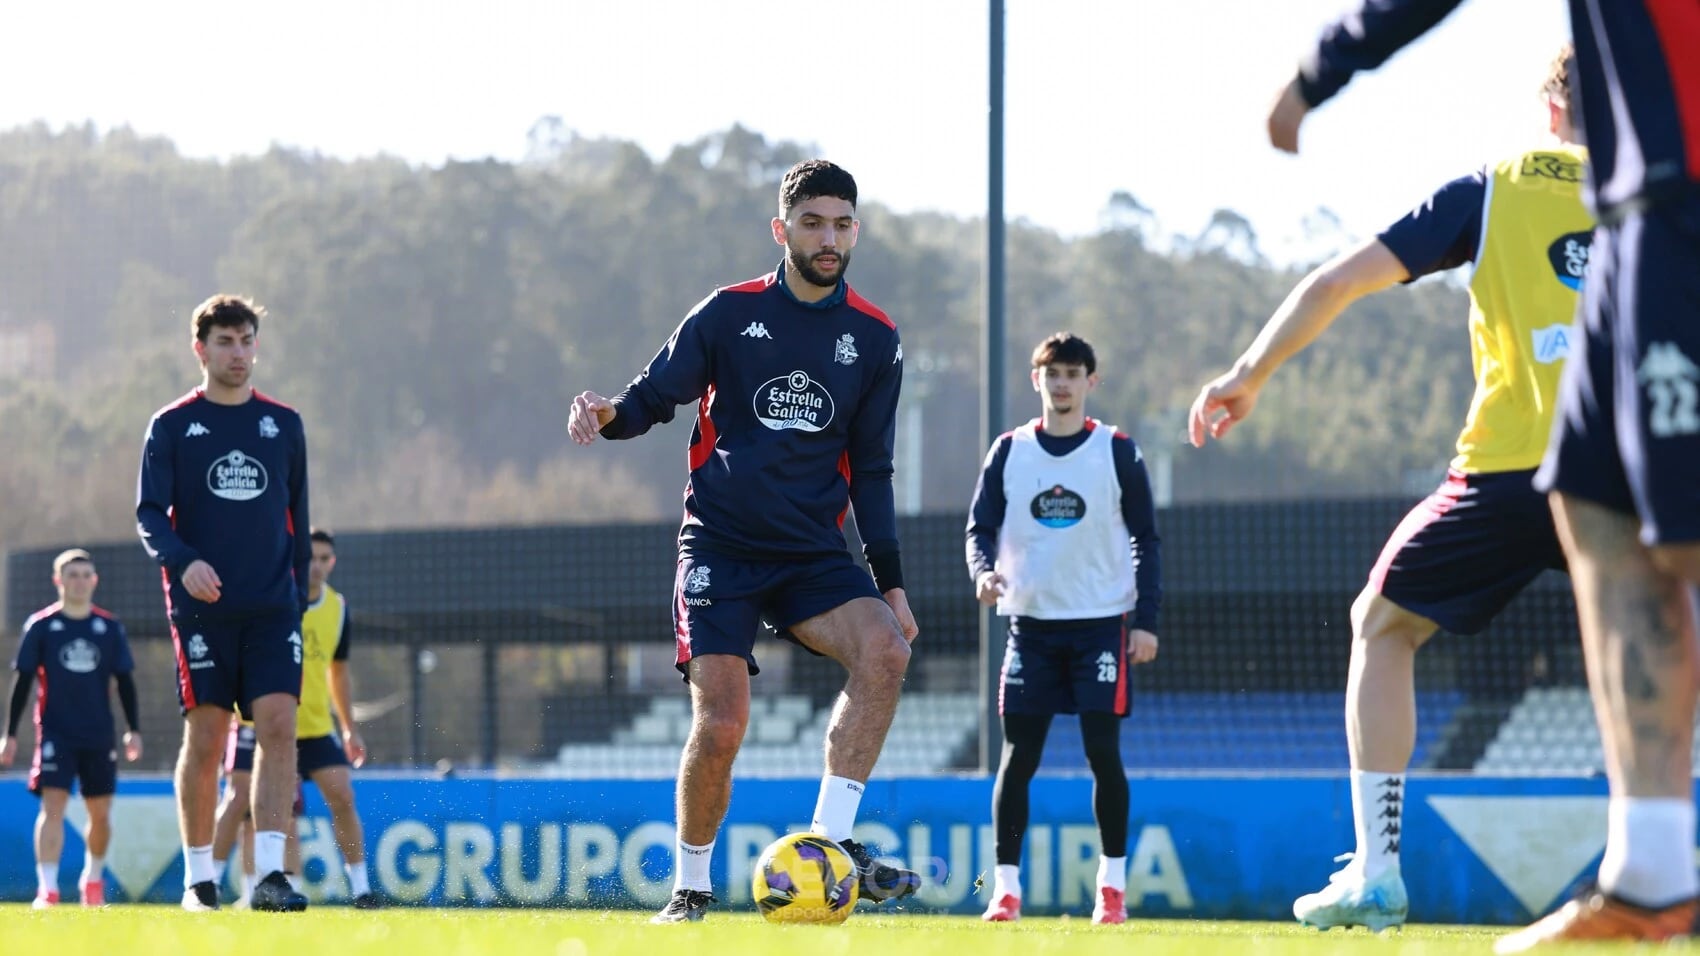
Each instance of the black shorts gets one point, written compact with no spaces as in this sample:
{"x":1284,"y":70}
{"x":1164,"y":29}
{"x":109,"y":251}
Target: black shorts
{"x":720,"y":603}
{"x":313,"y":754}
{"x":1064,"y":667}
{"x":1463,"y":553}
{"x":61,"y":766}
{"x":230,"y":664}
{"x":1628,"y":431}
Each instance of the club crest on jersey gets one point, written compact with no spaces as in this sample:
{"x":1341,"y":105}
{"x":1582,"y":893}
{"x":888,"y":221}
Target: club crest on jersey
{"x":696,"y":581}
{"x":844,"y":352}
{"x":268,"y":428}
{"x":794,"y":401}
{"x":98,"y":626}
{"x":79,"y":657}
{"x":236,"y":477}
{"x":1057,"y":507}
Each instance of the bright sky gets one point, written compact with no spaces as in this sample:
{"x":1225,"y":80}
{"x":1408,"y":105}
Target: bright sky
{"x":1163,"y":99}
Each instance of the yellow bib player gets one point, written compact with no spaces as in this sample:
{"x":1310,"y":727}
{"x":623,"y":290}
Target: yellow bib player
{"x":1461,"y":555}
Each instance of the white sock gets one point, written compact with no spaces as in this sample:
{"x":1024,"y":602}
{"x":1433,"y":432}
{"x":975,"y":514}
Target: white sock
{"x":1007,"y":882}
{"x":294,"y":880}
{"x":94,"y":867}
{"x":219,"y":868}
{"x":248,"y":881}
{"x":268,"y":851}
{"x":835,"y":810}
{"x":47,"y":877}
{"x":1112,"y":872}
{"x":197,"y":865}
{"x":1649,"y":858}
{"x":690,"y":866}
{"x":1378,"y":814}
{"x":358,"y":882}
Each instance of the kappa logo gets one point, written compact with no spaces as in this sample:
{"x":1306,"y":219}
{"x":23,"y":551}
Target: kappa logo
{"x":1107,"y":667}
{"x":696,"y":581}
{"x":55,"y":625}
{"x":757,"y":331}
{"x":196,"y":430}
{"x":794,"y":401}
{"x":1670,"y":378}
{"x":844,"y":351}
{"x":898,"y":358}
{"x":237,"y":477}
{"x":268,"y":428}
{"x":79,"y":657}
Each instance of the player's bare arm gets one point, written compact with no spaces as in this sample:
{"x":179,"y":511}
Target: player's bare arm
{"x":989,"y":587}
{"x":1306,"y":313}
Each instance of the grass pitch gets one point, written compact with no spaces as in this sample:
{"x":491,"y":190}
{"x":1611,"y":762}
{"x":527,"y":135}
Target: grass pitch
{"x":147,"y":930}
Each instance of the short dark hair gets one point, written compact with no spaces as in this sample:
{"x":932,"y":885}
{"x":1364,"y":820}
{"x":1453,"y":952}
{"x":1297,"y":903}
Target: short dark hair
{"x":226,"y":312}
{"x":323,"y":537}
{"x":1557,"y":83}
{"x":1065,"y":348}
{"x":812,"y":178}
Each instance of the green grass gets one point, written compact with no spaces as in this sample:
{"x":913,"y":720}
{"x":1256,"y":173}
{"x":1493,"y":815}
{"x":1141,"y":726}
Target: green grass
{"x":141,"y":930}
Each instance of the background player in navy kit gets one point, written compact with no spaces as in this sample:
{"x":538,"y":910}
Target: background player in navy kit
{"x":1062,"y":540}
{"x":1623,"y":465}
{"x":795,"y":378}
{"x":221,"y":505}
{"x":77,"y":651}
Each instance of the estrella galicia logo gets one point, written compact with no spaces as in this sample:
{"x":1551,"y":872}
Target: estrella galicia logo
{"x":794,"y":401}
{"x":1569,"y":257}
{"x":237,"y":477}
{"x":1057,"y":507}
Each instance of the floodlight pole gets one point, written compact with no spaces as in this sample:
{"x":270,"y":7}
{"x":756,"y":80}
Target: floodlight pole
{"x":992,"y":368}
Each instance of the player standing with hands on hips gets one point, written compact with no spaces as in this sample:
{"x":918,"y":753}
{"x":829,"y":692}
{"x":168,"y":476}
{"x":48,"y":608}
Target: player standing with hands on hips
{"x":1062,"y":540}
{"x":795,"y":379}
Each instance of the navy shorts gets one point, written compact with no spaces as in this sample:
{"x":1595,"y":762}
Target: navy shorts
{"x":1628,"y":431}
{"x":1064,"y":667}
{"x":1462,"y":554}
{"x":313,"y":754}
{"x":239,"y":754}
{"x":60,"y":766}
{"x":719,"y":603}
{"x":230,"y":664}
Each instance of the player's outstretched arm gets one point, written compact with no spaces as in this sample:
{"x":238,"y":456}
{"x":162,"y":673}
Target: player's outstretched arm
{"x":1308,"y":310}
{"x":1361,"y":39}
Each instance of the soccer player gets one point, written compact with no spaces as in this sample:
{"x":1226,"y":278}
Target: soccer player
{"x":77,"y":651}
{"x":1462,"y":554}
{"x":221,"y":505}
{"x":1062,"y":540}
{"x":325,"y":685}
{"x":795,"y":377}
{"x":1623,"y":467}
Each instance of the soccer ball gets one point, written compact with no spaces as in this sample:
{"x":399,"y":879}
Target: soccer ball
{"x":804,"y":878}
